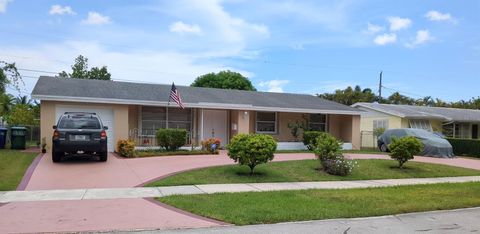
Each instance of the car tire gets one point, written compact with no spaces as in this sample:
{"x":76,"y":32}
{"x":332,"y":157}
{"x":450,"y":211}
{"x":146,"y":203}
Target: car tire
{"x":56,"y":156}
{"x":383,"y":147}
{"x":103,"y":156}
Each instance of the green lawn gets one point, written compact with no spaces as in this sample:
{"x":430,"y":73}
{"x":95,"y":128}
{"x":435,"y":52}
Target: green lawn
{"x":286,"y":206}
{"x":13,"y":165}
{"x":307,"y":170}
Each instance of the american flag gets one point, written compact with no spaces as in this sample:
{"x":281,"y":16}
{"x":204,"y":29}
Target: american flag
{"x":175,"y":96}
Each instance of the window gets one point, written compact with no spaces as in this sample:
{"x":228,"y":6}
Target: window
{"x":317,"y":122}
{"x":154,"y":118}
{"x":380,"y":123}
{"x":462,"y":130}
{"x":266,"y":122}
{"x":421,"y":124}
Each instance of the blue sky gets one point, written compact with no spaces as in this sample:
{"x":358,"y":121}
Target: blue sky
{"x":424,"y":48}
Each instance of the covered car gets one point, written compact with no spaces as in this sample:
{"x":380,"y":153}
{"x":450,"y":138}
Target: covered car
{"x":434,"y":145}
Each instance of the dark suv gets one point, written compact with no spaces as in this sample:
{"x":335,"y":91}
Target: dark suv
{"x":79,"y":133}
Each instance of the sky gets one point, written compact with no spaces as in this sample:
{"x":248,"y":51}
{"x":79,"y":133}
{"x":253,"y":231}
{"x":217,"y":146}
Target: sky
{"x":424,"y":48}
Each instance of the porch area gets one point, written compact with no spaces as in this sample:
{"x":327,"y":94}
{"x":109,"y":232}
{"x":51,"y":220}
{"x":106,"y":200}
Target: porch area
{"x":203,"y":123}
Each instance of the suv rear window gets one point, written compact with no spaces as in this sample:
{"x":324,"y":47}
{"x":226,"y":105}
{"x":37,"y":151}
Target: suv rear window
{"x":79,"y":122}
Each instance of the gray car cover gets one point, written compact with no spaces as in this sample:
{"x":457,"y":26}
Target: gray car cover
{"x":434,"y":145}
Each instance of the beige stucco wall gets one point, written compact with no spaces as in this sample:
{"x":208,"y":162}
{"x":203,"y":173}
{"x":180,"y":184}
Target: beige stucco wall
{"x":133,"y":116}
{"x":366,"y":123}
{"x":48,"y":119}
{"x":345,"y":128}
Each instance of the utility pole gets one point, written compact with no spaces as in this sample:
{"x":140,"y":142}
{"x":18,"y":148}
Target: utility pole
{"x":380,"y":87}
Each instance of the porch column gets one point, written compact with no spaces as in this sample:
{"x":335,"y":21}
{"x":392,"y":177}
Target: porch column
{"x":201,"y":125}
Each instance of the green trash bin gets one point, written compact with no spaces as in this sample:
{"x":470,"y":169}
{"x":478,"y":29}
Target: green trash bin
{"x":17,"y":137}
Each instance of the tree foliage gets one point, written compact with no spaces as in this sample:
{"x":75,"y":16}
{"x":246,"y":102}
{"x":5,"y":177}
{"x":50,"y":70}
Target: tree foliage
{"x":351,"y":95}
{"x":80,"y":71}
{"x":9,"y":75}
{"x":21,"y":115}
{"x":224,"y":80}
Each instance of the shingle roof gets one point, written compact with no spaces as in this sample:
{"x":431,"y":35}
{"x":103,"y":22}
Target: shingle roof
{"x":423,"y":112}
{"x":51,"y":88}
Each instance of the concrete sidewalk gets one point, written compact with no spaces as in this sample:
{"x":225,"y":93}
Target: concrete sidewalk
{"x":144,"y":192}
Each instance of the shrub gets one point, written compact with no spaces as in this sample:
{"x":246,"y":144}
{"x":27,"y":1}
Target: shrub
{"x":207,"y":145}
{"x":327,"y":147}
{"x":252,"y":149}
{"x":310,"y":138}
{"x":171,"y":139}
{"x":295,"y":128}
{"x":338,"y":166}
{"x":403,"y":149}
{"x":126,"y":148}
{"x":468,"y":147}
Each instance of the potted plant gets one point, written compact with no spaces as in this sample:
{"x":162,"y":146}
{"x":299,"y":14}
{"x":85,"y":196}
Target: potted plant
{"x":44,"y":145}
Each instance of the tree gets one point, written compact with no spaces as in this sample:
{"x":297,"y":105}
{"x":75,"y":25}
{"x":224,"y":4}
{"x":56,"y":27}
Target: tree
{"x":404,"y":149}
{"x":9,"y":75}
{"x":6,"y":104}
{"x":399,"y":99}
{"x":224,"y":80}
{"x":80,"y":71}
{"x":21,"y":114}
{"x":350,"y":96}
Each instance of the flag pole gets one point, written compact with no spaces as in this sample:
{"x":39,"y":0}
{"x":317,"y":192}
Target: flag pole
{"x":166,"y":110}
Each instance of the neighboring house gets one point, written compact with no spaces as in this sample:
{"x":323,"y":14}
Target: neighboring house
{"x":136,"y":110}
{"x":451,"y":122}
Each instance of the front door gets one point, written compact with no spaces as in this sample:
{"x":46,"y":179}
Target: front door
{"x":474,"y":131}
{"x":215,"y":125}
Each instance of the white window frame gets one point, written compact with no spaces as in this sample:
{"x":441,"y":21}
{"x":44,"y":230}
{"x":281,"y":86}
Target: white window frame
{"x":275,"y":122}
{"x":380,"y":123}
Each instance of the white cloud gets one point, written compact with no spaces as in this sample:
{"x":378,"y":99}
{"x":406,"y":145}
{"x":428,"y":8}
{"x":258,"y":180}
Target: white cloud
{"x":373,"y":28}
{"x":438,"y":16}
{"x":181,"y":27}
{"x":397,"y":23}
{"x":385,"y":38}
{"x":137,"y":66}
{"x":3,"y":5}
{"x":423,"y":36}
{"x":274,"y":85}
{"x":95,"y":18}
{"x":59,"y":10}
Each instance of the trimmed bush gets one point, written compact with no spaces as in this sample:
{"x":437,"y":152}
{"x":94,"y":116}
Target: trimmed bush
{"x":252,"y":149}
{"x":467,"y":147}
{"x":338,"y":166}
{"x":126,"y":148}
{"x":328,"y":151}
{"x":171,"y":139}
{"x":327,"y":147}
{"x":310,"y":138}
{"x":207,"y":145}
{"x":404,"y":149}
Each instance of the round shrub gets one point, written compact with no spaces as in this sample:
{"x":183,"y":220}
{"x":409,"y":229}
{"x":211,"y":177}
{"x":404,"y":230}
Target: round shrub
{"x":310,"y":138}
{"x":327,"y":147}
{"x":404,"y":149}
{"x":126,"y":148}
{"x":171,"y":139}
{"x":338,"y":166}
{"x":252,"y":149}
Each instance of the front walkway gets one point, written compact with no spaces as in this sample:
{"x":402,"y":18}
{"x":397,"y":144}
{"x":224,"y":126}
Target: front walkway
{"x":148,"y":192}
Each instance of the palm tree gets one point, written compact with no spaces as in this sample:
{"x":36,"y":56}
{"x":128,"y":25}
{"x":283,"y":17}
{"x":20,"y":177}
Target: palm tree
{"x":24,"y":100}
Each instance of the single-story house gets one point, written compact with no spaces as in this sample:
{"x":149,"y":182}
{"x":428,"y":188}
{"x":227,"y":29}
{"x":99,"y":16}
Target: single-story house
{"x":451,"y":122}
{"x":137,"y":110}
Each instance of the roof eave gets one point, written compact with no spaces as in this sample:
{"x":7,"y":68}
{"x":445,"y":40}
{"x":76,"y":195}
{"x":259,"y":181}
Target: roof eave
{"x":192,"y":105}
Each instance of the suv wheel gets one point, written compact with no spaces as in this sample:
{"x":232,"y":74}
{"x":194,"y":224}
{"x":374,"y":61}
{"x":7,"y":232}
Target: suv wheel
{"x":103,"y":156}
{"x":56,"y":156}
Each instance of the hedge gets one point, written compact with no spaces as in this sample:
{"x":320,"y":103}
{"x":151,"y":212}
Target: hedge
{"x":171,"y":139}
{"x":466,"y":147}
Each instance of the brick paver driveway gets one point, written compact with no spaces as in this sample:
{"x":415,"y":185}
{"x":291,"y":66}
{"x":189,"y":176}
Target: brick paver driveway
{"x":116,"y":214}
